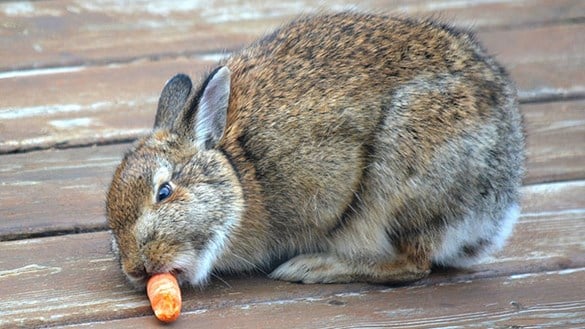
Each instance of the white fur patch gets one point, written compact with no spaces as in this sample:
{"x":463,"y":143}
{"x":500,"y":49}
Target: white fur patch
{"x":114,"y":245}
{"x":212,"y":252}
{"x":471,"y":230}
{"x":507,"y":226}
{"x":186,"y":262}
{"x":207,"y":259}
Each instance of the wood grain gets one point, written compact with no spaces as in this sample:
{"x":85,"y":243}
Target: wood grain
{"x":75,"y":278}
{"x":544,"y":300}
{"x":89,"y":105}
{"x":546,"y":62}
{"x":555,"y":141}
{"x":55,"y":191}
{"x":67,"y":32}
{"x":105,"y":104}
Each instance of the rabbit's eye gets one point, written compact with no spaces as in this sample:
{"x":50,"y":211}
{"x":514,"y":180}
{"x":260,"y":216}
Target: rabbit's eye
{"x":164,"y":191}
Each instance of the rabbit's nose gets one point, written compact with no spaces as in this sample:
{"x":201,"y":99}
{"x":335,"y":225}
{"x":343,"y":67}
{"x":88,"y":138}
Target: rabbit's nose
{"x":157,"y":256}
{"x":152,"y":267}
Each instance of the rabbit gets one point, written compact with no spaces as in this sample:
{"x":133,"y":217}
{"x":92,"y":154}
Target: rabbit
{"x":343,"y":147}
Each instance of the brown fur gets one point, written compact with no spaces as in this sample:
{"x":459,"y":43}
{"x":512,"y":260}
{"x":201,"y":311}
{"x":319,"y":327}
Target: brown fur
{"x":351,"y":141}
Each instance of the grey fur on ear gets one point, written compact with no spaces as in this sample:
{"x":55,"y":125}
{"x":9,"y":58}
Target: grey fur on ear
{"x":172,"y":101}
{"x":211,"y":115}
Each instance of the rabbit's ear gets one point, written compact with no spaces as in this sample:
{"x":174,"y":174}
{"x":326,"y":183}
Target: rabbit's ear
{"x":172,"y":100}
{"x":211,"y":113}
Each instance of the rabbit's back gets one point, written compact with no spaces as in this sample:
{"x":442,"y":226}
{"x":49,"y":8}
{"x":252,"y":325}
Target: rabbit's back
{"x":356,"y":125}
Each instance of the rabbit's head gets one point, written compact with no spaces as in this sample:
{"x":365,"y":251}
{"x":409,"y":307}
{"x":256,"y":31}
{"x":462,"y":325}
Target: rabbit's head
{"x":175,"y":197}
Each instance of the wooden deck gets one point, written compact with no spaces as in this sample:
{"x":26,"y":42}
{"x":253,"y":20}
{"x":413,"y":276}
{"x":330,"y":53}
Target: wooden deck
{"x":79,"y":81}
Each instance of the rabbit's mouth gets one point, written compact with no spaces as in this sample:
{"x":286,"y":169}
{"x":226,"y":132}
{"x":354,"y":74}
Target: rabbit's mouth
{"x":176,"y":272}
{"x":186,"y":267}
{"x":139,"y":276}
{"x":180,"y":274}
{"x":141,"y":280}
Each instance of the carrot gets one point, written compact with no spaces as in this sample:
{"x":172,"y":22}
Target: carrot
{"x":165,"y":296}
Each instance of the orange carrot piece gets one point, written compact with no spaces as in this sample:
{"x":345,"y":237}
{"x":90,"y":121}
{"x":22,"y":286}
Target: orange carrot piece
{"x":165,"y":296}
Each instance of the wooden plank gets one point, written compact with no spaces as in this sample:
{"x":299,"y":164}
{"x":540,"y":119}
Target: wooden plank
{"x":57,"y":33}
{"x":86,"y":105}
{"x":60,"y":279}
{"x":112,"y":103}
{"x":549,"y":81}
{"x":75,"y":278}
{"x":491,"y":15}
{"x":564,"y":42}
{"x":68,"y":32}
{"x":555,"y":141}
{"x":554,"y":68}
{"x":55,"y":191}
{"x":540,"y":300}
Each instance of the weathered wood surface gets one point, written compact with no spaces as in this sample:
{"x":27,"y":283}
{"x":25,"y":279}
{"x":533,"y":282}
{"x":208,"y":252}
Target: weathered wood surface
{"x":69,"y":32}
{"x":112,"y":103}
{"x":555,"y":140}
{"x":74,"y":278}
{"x":517,"y":301}
{"x":104,"y":104}
{"x":75,"y":74}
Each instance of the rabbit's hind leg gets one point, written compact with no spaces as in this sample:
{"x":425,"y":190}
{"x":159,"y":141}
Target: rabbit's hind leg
{"x":332,"y":268}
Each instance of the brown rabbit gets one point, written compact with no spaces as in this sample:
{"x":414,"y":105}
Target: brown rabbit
{"x":353,"y":147}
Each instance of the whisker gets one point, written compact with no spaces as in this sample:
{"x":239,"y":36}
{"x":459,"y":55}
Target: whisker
{"x":253,"y":265}
{"x":222,"y":280}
